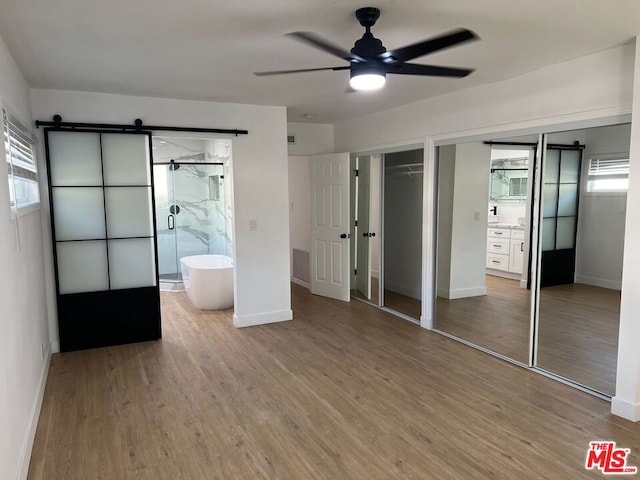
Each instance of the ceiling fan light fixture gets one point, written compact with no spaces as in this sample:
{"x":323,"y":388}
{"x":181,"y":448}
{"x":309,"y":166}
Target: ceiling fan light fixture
{"x":366,"y":82}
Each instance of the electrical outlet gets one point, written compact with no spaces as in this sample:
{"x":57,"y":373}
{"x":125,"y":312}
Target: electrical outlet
{"x":253,"y":225}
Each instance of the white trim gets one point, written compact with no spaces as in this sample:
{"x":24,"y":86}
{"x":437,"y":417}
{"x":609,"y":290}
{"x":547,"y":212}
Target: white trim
{"x":25,"y":210}
{"x":573,"y":121}
{"x":625,"y":409}
{"x":25,"y":456}
{"x":429,"y":240}
{"x":462,"y":293}
{"x":599,"y":282}
{"x":302,"y":283}
{"x":503,"y":274}
{"x":240,"y":321}
{"x":55,"y":346}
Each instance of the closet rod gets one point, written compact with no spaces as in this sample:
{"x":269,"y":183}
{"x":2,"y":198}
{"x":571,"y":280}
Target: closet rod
{"x":137,"y":125}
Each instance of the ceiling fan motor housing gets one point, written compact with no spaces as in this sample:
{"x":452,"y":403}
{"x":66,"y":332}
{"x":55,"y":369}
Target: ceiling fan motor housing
{"x":368,"y":46}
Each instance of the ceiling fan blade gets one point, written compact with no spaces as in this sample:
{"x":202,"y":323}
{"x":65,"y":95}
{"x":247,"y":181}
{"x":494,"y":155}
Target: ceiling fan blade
{"x":429,"y":70}
{"x":316,"y":41}
{"x":282,"y":72}
{"x":428,"y":46}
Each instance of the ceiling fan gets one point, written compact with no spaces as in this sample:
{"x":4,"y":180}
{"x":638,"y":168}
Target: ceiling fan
{"x":370,"y":62}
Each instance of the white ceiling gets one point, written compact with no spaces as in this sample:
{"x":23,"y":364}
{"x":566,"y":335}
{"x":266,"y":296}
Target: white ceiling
{"x":208,"y":49}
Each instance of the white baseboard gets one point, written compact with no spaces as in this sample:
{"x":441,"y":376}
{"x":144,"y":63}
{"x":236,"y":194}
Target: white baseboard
{"x":462,"y":293}
{"x":375,"y":274}
{"x":403,"y":290}
{"x":27,"y":448}
{"x":302,"y":283}
{"x":624,"y":409}
{"x":599,"y":282}
{"x":503,"y":274}
{"x":55,"y":346}
{"x":240,"y":321}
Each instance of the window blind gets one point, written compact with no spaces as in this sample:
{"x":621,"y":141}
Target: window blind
{"x":21,"y":164}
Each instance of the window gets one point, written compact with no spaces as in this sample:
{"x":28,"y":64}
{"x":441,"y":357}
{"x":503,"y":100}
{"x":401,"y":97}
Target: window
{"x":608,"y":174}
{"x":518,"y":187}
{"x":21,"y":164}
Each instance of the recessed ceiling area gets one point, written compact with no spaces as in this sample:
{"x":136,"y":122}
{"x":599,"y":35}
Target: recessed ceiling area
{"x":208,"y":50}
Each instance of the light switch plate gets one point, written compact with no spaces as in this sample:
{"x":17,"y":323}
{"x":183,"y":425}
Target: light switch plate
{"x":253,"y":225}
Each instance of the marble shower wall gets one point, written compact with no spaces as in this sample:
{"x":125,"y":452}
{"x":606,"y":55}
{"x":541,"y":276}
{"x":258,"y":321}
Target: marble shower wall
{"x":200,"y":191}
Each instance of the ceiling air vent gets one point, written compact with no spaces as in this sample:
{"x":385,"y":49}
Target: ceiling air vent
{"x":291,"y":139}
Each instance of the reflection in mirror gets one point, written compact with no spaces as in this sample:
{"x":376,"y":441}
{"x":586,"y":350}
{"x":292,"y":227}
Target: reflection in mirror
{"x":402,"y":272}
{"x":582,"y":233}
{"x":365,"y":235}
{"x":484,"y":204}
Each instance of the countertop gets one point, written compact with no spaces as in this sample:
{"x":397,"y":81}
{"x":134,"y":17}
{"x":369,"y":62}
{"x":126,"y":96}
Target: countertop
{"x":512,"y":226}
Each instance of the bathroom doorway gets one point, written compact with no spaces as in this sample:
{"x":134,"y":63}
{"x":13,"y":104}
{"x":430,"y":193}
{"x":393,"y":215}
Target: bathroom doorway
{"x":192,"y":202}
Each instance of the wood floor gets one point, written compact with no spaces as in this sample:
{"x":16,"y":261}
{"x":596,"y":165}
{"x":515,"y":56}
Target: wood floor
{"x":578,"y":331}
{"x":498,"y":321}
{"x":409,"y":306}
{"x":345,"y":391}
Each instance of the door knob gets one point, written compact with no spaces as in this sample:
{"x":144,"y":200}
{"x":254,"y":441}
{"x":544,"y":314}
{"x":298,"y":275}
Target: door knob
{"x":345,"y":235}
{"x":365,"y":234}
{"x":368,"y":234}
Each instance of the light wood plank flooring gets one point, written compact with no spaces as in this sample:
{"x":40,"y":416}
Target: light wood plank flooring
{"x":578,"y":331}
{"x":498,"y":321}
{"x":345,"y":391}
{"x":393,"y":300}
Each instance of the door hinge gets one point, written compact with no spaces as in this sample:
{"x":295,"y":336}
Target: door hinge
{"x":356,"y":223}
{"x":355,"y":272}
{"x":357,"y":172}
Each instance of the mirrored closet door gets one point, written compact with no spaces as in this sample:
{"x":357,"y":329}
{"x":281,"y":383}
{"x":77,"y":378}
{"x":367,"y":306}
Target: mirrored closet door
{"x":585,"y":175}
{"x":386,"y":209}
{"x":483,"y":293}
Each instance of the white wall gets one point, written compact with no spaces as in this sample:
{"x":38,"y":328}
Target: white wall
{"x":311,"y":138}
{"x":24,"y":337}
{"x":259,"y":172}
{"x":600,"y":237}
{"x":626,"y":402}
{"x":594,"y":85}
{"x":299,"y":206}
{"x":446,"y":182}
{"x":469,"y":223}
{"x":403,"y":227}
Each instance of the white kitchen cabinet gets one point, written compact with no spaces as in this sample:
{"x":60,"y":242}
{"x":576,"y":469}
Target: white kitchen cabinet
{"x":516,"y":255}
{"x":505,"y":251}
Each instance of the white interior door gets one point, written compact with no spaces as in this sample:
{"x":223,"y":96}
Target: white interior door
{"x":330,"y":254}
{"x":363,"y":262}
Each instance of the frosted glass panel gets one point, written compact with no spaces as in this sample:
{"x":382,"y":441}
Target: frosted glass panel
{"x":126,"y":159}
{"x":548,"y":234}
{"x":566,"y":229}
{"x":551,"y":166}
{"x":129,"y":212}
{"x":567,"y":203}
{"x":570,"y":166}
{"x":82,"y":266}
{"x":79,"y":213}
{"x":74,"y":158}
{"x":132,"y":263}
{"x":550,"y":199}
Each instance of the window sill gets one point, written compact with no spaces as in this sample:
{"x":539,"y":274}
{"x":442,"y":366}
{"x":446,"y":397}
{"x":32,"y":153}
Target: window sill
{"x":26,"y":210}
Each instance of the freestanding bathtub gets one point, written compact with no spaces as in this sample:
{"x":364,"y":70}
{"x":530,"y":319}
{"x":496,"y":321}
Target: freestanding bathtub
{"x":208,"y":280}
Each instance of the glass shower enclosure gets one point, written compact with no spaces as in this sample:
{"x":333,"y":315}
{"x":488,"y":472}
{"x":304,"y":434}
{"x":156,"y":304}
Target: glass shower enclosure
{"x":193,"y":214}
